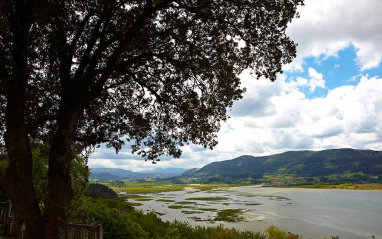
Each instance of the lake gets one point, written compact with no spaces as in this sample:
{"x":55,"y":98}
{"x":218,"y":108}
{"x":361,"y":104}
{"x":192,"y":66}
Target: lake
{"x":311,"y":213}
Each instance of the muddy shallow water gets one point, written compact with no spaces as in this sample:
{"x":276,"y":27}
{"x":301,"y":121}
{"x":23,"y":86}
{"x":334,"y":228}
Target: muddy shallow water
{"x":312,"y":213}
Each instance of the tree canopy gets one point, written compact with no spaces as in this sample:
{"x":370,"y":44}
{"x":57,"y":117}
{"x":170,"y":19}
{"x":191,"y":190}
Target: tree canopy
{"x":157,"y":73}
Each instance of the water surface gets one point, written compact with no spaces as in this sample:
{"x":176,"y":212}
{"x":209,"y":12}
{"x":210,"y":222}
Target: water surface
{"x":312,"y":213}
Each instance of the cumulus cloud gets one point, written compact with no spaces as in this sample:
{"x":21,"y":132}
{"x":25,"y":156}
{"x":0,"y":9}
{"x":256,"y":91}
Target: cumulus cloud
{"x":326,"y":27}
{"x":316,"y":80}
{"x":347,"y":117}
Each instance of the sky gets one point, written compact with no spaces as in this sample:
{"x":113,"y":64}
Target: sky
{"x":329,"y":97}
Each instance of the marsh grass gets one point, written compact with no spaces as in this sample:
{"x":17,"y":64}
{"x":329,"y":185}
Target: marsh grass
{"x":178,"y":206}
{"x":208,"y":199}
{"x":135,"y":204}
{"x":147,"y":187}
{"x":133,"y":196}
{"x":185,"y":203}
{"x":191,"y":212}
{"x":208,"y":209}
{"x":165,"y":200}
{"x":142,"y":199}
{"x":230,"y":215}
{"x":255,"y":204}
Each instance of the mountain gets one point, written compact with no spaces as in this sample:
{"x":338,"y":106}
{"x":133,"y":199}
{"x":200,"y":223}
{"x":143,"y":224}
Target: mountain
{"x":296,"y":163}
{"x":110,"y":174}
{"x":190,"y":172}
{"x":104,"y":177}
{"x":113,"y":171}
{"x":166,"y":170}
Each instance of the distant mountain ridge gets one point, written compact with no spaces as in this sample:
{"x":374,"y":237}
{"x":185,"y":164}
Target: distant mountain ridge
{"x":165,"y":170}
{"x":111,"y":174}
{"x":299,"y":163}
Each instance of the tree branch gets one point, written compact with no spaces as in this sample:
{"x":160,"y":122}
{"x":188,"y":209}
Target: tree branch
{"x":79,"y":32}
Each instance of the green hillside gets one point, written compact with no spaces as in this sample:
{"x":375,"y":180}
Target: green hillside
{"x":343,"y":165}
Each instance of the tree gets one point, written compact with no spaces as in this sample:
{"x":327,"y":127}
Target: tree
{"x":157,"y":73}
{"x":96,"y":190}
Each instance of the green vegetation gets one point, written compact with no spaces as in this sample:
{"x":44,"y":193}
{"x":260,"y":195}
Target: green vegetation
{"x":96,"y":190}
{"x":230,"y":215}
{"x":143,"y":187}
{"x":143,"y":199}
{"x":133,"y":196}
{"x":208,"y":209}
{"x":191,"y":212}
{"x":154,"y":186}
{"x":165,"y":200}
{"x":208,"y":199}
{"x":184,"y":202}
{"x":276,"y":233}
{"x":178,"y":207}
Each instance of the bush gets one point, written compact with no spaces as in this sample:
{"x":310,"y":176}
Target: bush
{"x":276,"y":233}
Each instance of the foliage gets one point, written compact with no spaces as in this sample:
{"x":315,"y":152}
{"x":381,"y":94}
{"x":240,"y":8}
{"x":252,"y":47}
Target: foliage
{"x":120,"y":220}
{"x":156,"y":55}
{"x":276,"y":233}
{"x":4,"y":163}
{"x":96,"y":190}
{"x":79,"y":172}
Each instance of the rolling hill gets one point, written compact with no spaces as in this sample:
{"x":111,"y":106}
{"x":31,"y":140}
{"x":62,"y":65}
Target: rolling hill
{"x":296,"y":163}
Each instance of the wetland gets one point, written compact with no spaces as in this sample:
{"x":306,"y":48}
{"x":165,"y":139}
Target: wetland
{"x":312,"y":213}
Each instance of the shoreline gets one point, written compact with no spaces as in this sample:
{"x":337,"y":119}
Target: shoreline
{"x":368,"y":186}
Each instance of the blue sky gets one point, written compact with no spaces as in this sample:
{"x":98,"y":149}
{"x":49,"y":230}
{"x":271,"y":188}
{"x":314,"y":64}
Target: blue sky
{"x":330,"y":96}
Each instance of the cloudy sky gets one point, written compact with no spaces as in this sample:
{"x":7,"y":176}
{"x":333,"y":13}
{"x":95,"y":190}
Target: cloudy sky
{"x":330,"y":96}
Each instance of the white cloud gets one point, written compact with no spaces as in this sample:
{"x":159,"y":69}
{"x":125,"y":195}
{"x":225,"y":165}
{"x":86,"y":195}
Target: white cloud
{"x":316,"y":80}
{"x":327,"y":26}
{"x":347,"y":117}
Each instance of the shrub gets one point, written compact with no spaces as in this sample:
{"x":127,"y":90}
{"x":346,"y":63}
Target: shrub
{"x":276,"y":233}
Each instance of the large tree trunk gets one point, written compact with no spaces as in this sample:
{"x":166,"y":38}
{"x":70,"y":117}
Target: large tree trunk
{"x":19,"y":177}
{"x":60,"y":192}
